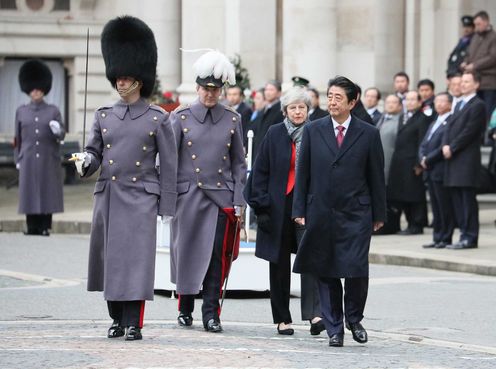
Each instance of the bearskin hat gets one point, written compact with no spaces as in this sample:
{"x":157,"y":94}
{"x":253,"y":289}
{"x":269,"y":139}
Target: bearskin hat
{"x":129,"y":50}
{"x":34,"y":74}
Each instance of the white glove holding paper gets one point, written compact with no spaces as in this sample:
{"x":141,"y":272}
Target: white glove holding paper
{"x":82,"y":160}
{"x":55,"y":127}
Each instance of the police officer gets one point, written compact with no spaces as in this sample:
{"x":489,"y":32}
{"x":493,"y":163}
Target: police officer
{"x":460,"y":51}
{"x":129,"y":193}
{"x":38,"y":132}
{"x":210,"y":181}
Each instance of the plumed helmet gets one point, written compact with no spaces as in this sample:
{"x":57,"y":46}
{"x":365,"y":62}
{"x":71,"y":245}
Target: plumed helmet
{"x":213,"y":69}
{"x":34,"y":74}
{"x":129,"y":50}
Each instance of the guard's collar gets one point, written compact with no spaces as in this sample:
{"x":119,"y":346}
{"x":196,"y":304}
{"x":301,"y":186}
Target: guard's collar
{"x":136,"y":109}
{"x":200,"y":111}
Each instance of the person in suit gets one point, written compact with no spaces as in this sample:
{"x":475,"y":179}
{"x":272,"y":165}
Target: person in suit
{"x":432,"y":161}
{"x":269,"y":191}
{"x":359,"y":110}
{"x":372,"y":96}
{"x":454,"y":89}
{"x":340,"y":197}
{"x":315,"y":110}
{"x":405,"y":187}
{"x":460,"y":51}
{"x":129,"y":193}
{"x":210,"y":181}
{"x":425,"y":88}
{"x":272,"y":113}
{"x":401,"y":85}
{"x":235,"y":99}
{"x":38,"y":133}
{"x":461,"y":150}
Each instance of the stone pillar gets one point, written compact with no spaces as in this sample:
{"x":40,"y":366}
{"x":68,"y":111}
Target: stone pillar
{"x":309,"y":41}
{"x":412,"y":40}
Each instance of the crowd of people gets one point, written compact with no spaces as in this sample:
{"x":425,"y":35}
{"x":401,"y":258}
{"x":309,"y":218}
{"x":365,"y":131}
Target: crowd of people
{"x":323,"y":180}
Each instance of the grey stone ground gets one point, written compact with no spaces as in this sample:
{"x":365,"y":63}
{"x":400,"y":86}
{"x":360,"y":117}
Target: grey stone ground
{"x":416,"y":318}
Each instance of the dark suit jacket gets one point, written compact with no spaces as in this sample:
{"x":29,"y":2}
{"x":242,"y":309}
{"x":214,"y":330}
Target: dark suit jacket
{"x":318,"y":113}
{"x":340,"y":192}
{"x":433,"y":152}
{"x":360,"y":112}
{"x":403,"y":184}
{"x":376,"y":115}
{"x":265,"y":190}
{"x":464,"y":136}
{"x":245,"y":111}
{"x":263,"y":122}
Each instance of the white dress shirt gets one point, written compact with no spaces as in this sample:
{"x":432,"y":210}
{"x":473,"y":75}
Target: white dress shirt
{"x":346,"y":124}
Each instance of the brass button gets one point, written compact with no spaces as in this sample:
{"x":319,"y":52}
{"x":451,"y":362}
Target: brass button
{"x":109,"y":146}
{"x":185,"y":130}
{"x":103,"y":115}
{"x":190,"y":143}
{"x":134,"y":179}
{"x":151,"y":133}
{"x":183,"y":117}
{"x":193,"y":156}
{"x":225,"y":157}
{"x":37,"y":155}
{"x":232,"y":131}
{"x":155,"y":118}
{"x":235,"y":119}
{"x":35,"y":119}
{"x":36,"y":130}
{"x":220,"y":171}
{"x":105,"y":130}
{"x":200,"y":184}
{"x":138,"y":163}
{"x":144,"y":148}
{"x":229,"y":144}
{"x":197,"y":170}
{"x":37,"y":142}
{"x":219,"y":184}
{"x":111,"y":162}
{"x":113,"y":178}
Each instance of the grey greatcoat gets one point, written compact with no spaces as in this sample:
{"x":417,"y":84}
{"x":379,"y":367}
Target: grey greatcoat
{"x":37,"y":151}
{"x":211,"y":176}
{"x":129,"y":193}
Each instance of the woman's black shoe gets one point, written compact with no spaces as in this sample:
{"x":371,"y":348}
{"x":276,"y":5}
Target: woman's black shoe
{"x":285,"y":332}
{"x":316,"y":328}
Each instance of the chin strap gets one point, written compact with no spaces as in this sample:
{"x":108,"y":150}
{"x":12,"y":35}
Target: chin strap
{"x":126,"y":92}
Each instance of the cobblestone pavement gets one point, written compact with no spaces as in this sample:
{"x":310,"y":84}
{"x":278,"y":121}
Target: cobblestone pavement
{"x":80,"y":344}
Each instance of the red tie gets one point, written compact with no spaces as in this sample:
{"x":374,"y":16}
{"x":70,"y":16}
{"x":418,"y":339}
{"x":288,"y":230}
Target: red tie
{"x":291,"y":174}
{"x":340,"y":135}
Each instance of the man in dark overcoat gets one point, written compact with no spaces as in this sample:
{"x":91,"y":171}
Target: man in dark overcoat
{"x":461,"y":149}
{"x":210,"y":181}
{"x":235,"y":98}
{"x":405,"y":186}
{"x":340,"y":196}
{"x":130,"y":192}
{"x":432,"y":161}
{"x":38,"y":133}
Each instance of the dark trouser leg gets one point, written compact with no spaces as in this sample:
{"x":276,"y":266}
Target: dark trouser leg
{"x":446,"y":223}
{"x":355,"y":297}
{"x":331,"y":301}
{"x":310,"y":301}
{"x":186,"y":304}
{"x":212,"y":281}
{"x":467,"y":212}
{"x":46,"y":221}
{"x":115,"y":310}
{"x":489,"y":97}
{"x":416,"y":214}
{"x":436,"y":212}
{"x":33,"y":222}
{"x":127,"y":313}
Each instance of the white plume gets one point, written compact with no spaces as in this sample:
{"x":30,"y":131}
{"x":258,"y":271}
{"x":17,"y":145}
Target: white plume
{"x":217,"y":64}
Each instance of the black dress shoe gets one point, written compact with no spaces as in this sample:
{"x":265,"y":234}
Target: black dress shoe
{"x":336,"y":340}
{"x":441,"y":245}
{"x":213,"y":326}
{"x":133,"y":333}
{"x":462,"y":245}
{"x":185,"y":320}
{"x":45,"y":232}
{"x":285,"y":332}
{"x":115,"y":330}
{"x":359,"y":333}
{"x":316,"y":328}
{"x":410,"y":231}
{"x":430,"y":245}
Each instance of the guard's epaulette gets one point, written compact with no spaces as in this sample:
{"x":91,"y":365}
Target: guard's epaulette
{"x":231,"y":109}
{"x":157,"y":108}
{"x":104,"y":107}
{"x":181,"y":108}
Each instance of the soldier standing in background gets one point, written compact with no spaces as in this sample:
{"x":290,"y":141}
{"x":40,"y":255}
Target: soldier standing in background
{"x":129,"y":193}
{"x":210,"y":181}
{"x":460,"y":51}
{"x":38,"y":132}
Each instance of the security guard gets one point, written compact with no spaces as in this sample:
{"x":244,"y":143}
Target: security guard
{"x":38,"y":132}
{"x":129,"y":193}
{"x":460,"y":51}
{"x":210,"y":181}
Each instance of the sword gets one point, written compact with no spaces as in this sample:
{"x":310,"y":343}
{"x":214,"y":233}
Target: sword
{"x":230,"y":263}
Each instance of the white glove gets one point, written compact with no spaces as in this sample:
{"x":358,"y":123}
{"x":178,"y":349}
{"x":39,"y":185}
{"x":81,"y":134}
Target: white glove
{"x":166,"y":219}
{"x":18,"y":166}
{"x":82,"y":160}
{"x":238,"y":210}
{"x":55,"y":127}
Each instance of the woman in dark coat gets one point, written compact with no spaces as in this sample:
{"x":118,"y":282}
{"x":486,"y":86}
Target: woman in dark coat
{"x":38,"y":132}
{"x":270,"y":193}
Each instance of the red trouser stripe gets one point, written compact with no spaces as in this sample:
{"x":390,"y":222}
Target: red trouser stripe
{"x":142,"y":313}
